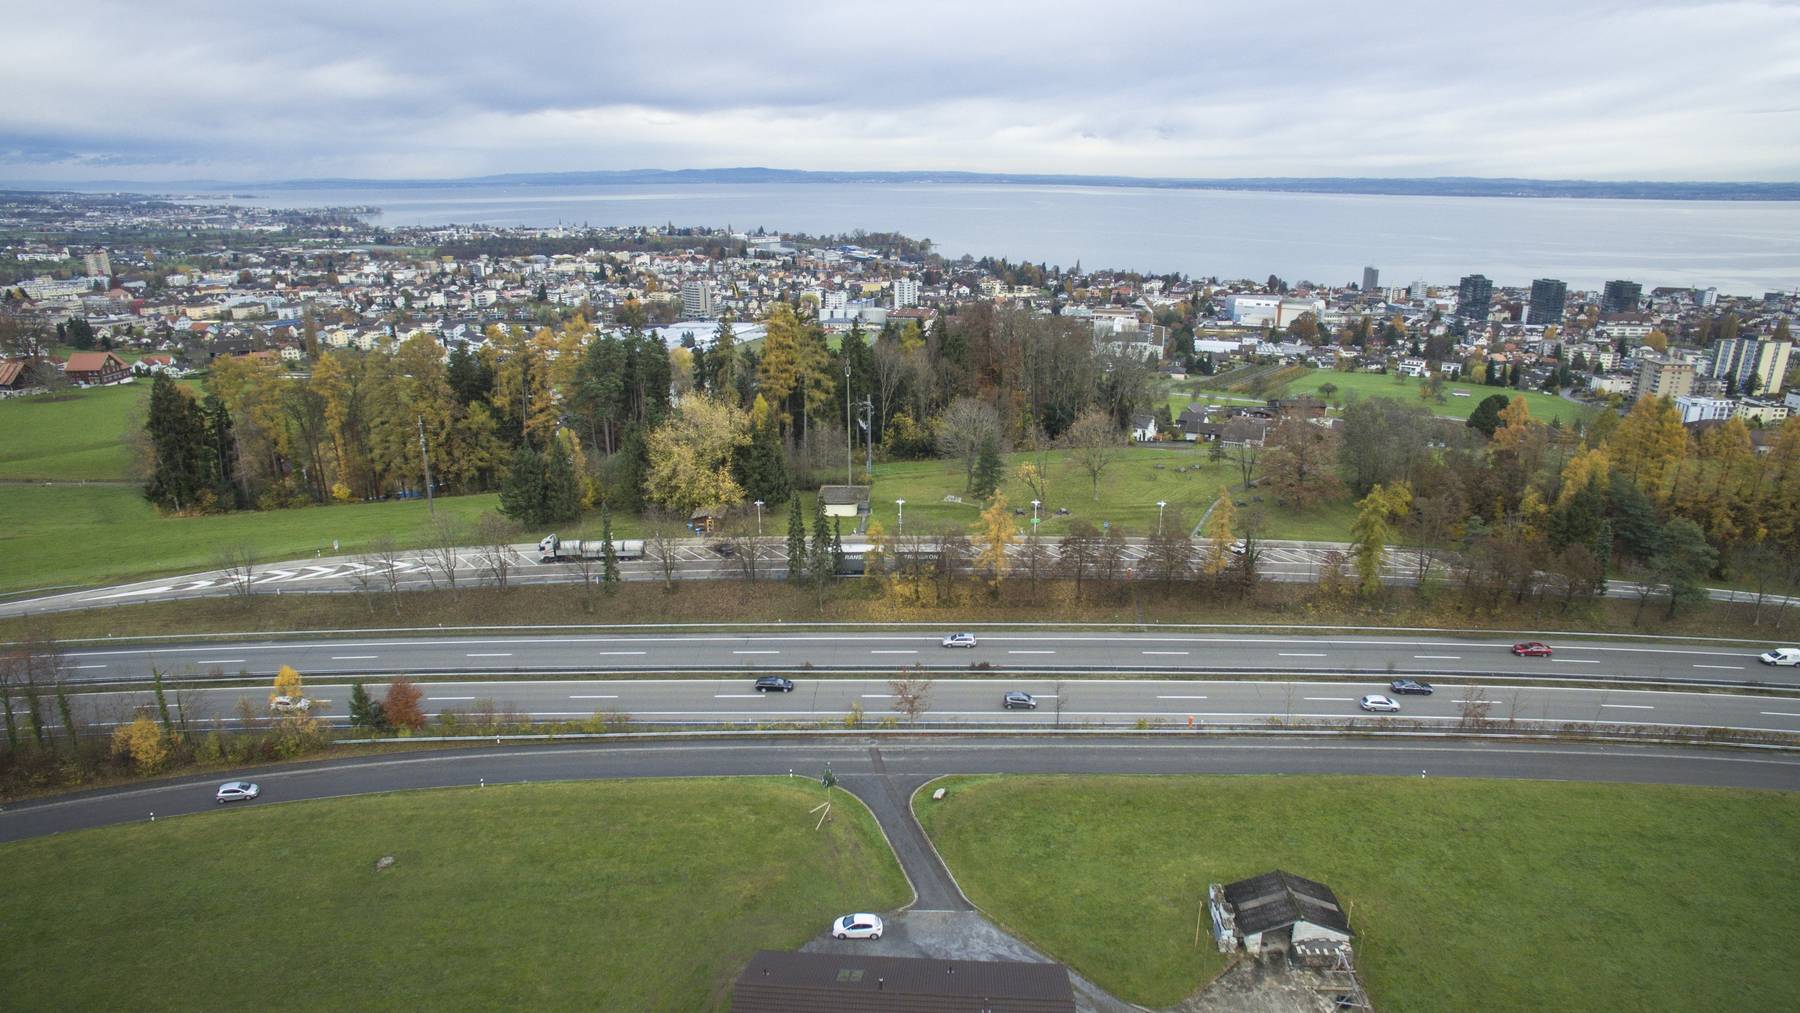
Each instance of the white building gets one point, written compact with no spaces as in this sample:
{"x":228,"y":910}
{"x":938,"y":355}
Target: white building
{"x":906,"y":293}
{"x":1252,"y":310}
{"x":1694,"y":408}
{"x":697,"y":300}
{"x":1766,"y":412}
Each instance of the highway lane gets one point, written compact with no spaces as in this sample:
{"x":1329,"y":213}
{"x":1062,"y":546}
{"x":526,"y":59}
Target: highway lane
{"x":953,"y":701}
{"x":863,"y":763}
{"x":891,"y":651}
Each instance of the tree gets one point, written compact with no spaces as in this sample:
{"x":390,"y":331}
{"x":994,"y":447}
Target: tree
{"x":142,"y":742}
{"x":180,"y":469}
{"x":562,"y":486}
{"x":524,"y":493}
{"x":988,"y":470}
{"x":993,"y":540}
{"x":964,"y":430}
{"x":1383,"y":441}
{"x":1373,"y":529}
{"x":796,"y":540}
{"x":1036,"y":478}
{"x":360,"y":708}
{"x":818,"y":554}
{"x":1094,"y":442}
{"x":287,"y":683}
{"x":1682,"y":562}
{"x":759,"y":465}
{"x":400,"y":707}
{"x":911,"y":692}
{"x":1648,"y":446}
{"x":1076,"y":553}
{"x":691,"y":455}
{"x":1169,"y":554}
{"x":1246,"y":439}
{"x":1297,"y":462}
{"x":609,"y":575}
{"x":1219,"y":535}
{"x":1486,"y":416}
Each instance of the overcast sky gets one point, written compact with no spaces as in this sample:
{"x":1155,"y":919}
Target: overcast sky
{"x":1206,"y":88}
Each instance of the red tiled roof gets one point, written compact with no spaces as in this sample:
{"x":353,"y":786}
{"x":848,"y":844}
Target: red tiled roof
{"x":91,"y":362}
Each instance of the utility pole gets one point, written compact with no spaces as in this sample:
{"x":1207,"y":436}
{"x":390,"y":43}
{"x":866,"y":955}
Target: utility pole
{"x":849,"y":431}
{"x":425,"y":455}
{"x":866,"y":414}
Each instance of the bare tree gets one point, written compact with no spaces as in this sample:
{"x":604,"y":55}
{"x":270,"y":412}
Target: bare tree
{"x":1033,"y":560}
{"x":1094,"y":442}
{"x":1475,"y":704}
{"x":911,"y":691}
{"x":591,"y":568}
{"x":495,"y":536}
{"x":12,"y":676}
{"x":964,"y":428}
{"x":237,"y":564}
{"x":446,"y":539}
{"x":386,"y":555}
{"x":1078,"y":552}
{"x":1109,"y":556}
{"x":953,"y":552}
{"x":1170,"y":553}
{"x":366,"y":577}
{"x":1244,"y":436}
{"x":744,"y":549}
{"x":663,"y":545}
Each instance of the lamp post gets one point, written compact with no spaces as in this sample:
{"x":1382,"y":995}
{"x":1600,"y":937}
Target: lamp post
{"x":1034,"y":513}
{"x":759,"y":506}
{"x":1159,"y":514}
{"x":901,"y":528}
{"x":849,"y":437}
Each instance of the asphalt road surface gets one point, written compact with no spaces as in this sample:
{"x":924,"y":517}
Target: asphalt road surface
{"x":694,"y":559}
{"x":886,"y":772}
{"x":1060,"y":702}
{"x":1019,"y":652}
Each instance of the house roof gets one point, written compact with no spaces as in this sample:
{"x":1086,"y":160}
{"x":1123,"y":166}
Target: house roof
{"x":10,"y":372}
{"x":90,"y":362}
{"x":778,"y":982}
{"x":1278,"y":899}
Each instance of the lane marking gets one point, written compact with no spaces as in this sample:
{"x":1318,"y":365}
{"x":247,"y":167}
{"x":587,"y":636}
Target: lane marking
{"x":756,"y":652}
{"x":1629,"y":706}
{"x":1181,"y":698}
{"x":222,"y":661}
{"x":1728,"y":668}
{"x":617,"y":654}
{"x":1572,"y":661}
{"x":1285,"y":654}
{"x":1782,"y":714}
{"x":739,"y":696}
{"x":1437,"y":657}
{"x":595,"y":696}
{"x":876,"y":696}
{"x":354,"y":657}
{"x":893,"y":652}
{"x":84,"y":666}
{"x":1167,"y":653}
{"x":487,"y":655}
{"x":1333,"y":699}
{"x":1031,"y":652}
{"x":436,"y":698}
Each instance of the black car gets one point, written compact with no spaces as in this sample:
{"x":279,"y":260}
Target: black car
{"x":1412,"y":686}
{"x":1018,"y":698}
{"x":774,"y":684}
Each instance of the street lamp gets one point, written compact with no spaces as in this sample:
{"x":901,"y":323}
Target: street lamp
{"x":849,"y":432}
{"x":759,"y":506}
{"x":902,"y":526}
{"x":1034,"y":513}
{"x":1159,"y":514}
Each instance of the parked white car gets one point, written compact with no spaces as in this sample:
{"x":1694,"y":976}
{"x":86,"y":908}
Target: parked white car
{"x":1378,"y":703}
{"x":237,"y":791}
{"x":960,"y":640}
{"x":857,"y":926}
{"x":1781,"y":656}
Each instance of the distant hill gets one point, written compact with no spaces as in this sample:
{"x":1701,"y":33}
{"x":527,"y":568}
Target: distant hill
{"x":1439,"y":186}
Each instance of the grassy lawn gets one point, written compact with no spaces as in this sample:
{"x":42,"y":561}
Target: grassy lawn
{"x":1544,"y":407}
{"x":72,"y":534}
{"x":602,"y":895}
{"x":74,"y":435}
{"x":1465,"y":894}
{"x":1129,"y":490}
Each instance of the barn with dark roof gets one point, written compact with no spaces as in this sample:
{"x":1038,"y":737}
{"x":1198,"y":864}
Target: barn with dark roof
{"x":1276,"y":910}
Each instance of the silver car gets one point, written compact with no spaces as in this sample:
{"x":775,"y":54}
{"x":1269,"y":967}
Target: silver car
{"x":960,"y":640}
{"x":237,"y":791}
{"x":1379,"y":704}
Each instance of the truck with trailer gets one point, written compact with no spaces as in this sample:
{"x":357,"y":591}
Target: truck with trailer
{"x":552,"y":549}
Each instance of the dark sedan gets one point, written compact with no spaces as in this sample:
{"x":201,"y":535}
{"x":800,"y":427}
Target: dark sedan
{"x":1411,"y":687}
{"x":774,"y":684}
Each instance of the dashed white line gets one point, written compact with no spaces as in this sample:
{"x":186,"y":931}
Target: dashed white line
{"x":1332,"y":699}
{"x":1728,"y":668}
{"x":617,"y":654}
{"x":1285,"y":654}
{"x":876,"y":696}
{"x":1437,"y":657}
{"x":1181,"y":698}
{"x":487,"y":655}
{"x":221,"y":661}
{"x":1629,"y":706}
{"x":1168,"y":653}
{"x":739,"y":696}
{"x":354,"y":657}
{"x":756,"y":652}
{"x":434,"y":699}
{"x":893,"y":652}
{"x":595,"y":696}
{"x":85,"y":666}
{"x":1031,"y":652}
{"x":1782,"y":714}
{"x":1573,"y":661}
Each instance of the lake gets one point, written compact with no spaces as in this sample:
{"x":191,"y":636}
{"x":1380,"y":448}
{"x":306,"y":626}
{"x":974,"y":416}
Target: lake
{"x":1739,"y":247}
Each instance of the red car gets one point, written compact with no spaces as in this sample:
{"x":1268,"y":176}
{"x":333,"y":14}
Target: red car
{"x":1531,"y":649}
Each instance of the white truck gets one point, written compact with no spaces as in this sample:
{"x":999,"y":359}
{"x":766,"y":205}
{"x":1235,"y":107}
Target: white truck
{"x":552,"y":549}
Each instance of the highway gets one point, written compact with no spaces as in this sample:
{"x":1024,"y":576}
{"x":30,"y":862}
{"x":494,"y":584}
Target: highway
{"x":885,"y":772}
{"x":1021,"y":652}
{"x":1069,"y":703}
{"x":693,"y":559}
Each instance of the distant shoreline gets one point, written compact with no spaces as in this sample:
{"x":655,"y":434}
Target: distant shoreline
{"x":1442,"y":186}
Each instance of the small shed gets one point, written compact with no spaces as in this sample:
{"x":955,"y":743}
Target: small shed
{"x":1276,"y":910}
{"x":779,"y":982}
{"x":706,"y":520}
{"x":846,"y":501}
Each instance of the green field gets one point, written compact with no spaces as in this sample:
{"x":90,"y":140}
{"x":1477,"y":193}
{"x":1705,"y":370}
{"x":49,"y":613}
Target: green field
{"x":68,"y":534}
{"x":641,"y":895}
{"x":1464,"y":894}
{"x":1544,"y":407}
{"x":70,"y":436}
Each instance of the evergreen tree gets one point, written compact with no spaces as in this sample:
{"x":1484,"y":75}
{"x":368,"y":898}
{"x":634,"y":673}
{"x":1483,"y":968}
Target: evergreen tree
{"x":837,"y":545}
{"x":162,"y":702}
{"x":221,"y":445}
{"x":760,"y":466}
{"x":178,"y":439}
{"x":470,"y":378}
{"x":610,"y":573}
{"x":562,"y":488}
{"x":361,"y":707}
{"x":522,"y":492}
{"x":819,"y":560}
{"x":796,"y":540}
{"x":988,"y":467}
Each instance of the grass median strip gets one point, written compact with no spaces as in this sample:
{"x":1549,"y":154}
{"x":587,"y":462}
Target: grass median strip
{"x":602,"y":895}
{"x":1464,"y":893}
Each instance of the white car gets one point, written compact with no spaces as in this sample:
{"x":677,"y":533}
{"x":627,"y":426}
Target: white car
{"x":858,"y":926}
{"x":1378,"y":703}
{"x":289,"y":704}
{"x":1781,"y":656}
{"x":237,"y":791}
{"x":960,"y":640}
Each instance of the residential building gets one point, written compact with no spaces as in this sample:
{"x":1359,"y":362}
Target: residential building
{"x":1549,"y":297}
{"x":906,"y":293}
{"x":1754,"y":365}
{"x":1767,"y":412}
{"x":1621,"y":297}
{"x":97,"y":264}
{"x":1659,"y":377}
{"x":1252,"y":310}
{"x":1371,"y":280}
{"x":697,"y":300}
{"x":1694,"y":408}
{"x":1417,"y":290}
{"x":95,"y":368}
{"x":1474,"y":298}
